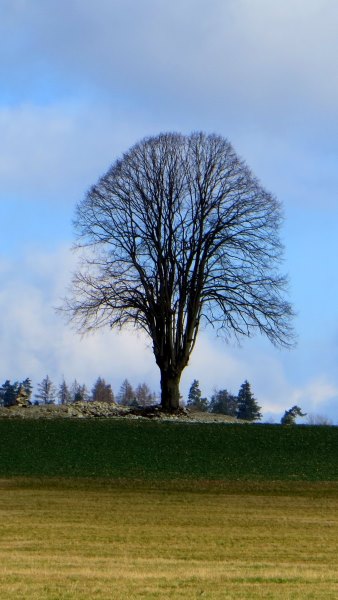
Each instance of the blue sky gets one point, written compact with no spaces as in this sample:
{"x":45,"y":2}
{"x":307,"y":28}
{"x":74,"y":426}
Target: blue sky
{"x":81,"y":81}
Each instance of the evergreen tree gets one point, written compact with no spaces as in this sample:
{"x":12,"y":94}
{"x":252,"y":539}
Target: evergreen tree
{"x":27,"y":386}
{"x":9,"y":392}
{"x":289,"y":417}
{"x":195,"y":400}
{"x":247,"y":406}
{"x":64,"y":394}
{"x":224,"y":403}
{"x":46,"y":391}
{"x":102,"y":391}
{"x":126,"y":395}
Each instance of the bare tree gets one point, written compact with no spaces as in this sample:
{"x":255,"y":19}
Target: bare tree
{"x":177,"y":232}
{"x":64,"y":394}
{"x":317,"y":419}
{"x":126,"y":395}
{"x":144,"y":396}
{"x":102,"y":391}
{"x":46,"y":391}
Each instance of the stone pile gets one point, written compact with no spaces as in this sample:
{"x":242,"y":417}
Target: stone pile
{"x":107,"y":410}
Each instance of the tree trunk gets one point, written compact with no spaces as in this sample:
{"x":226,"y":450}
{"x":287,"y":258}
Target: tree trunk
{"x":170,"y":391}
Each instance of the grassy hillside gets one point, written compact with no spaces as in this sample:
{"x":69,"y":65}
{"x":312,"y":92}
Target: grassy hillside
{"x":163,"y":450}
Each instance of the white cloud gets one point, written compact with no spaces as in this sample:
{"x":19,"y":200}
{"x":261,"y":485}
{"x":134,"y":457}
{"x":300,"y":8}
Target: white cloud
{"x":36,"y":341}
{"x":316,"y":394}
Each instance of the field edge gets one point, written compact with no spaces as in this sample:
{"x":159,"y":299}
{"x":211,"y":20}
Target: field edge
{"x":314,"y":489}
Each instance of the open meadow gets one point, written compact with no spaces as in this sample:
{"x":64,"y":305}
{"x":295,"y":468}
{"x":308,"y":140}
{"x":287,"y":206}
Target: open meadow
{"x":143,"y":525}
{"x":70,"y":540}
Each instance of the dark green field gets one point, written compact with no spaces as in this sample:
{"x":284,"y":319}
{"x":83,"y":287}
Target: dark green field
{"x":149,"y":450}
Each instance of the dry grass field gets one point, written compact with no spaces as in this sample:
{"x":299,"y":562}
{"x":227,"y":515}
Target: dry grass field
{"x":88,"y":540}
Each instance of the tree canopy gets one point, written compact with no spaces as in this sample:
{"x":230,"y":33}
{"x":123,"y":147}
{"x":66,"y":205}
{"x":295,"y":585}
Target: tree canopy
{"x":179,"y":232}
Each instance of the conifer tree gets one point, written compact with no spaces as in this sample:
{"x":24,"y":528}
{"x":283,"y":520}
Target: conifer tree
{"x":223,"y":402}
{"x":289,"y":417}
{"x":9,"y":393}
{"x":27,"y":386}
{"x":195,"y":400}
{"x":247,"y":406}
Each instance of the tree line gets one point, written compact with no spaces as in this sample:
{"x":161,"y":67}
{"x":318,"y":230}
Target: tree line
{"x":48,"y":393}
{"x":242,"y":406}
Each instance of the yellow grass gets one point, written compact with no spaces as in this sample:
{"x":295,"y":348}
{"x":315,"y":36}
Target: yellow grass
{"x":93,"y":540}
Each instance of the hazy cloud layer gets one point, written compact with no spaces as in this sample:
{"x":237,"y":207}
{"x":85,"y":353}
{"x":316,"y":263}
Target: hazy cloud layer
{"x":276,"y":62}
